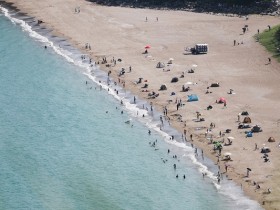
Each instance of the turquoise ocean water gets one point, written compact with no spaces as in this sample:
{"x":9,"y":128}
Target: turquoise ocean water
{"x":64,"y":144}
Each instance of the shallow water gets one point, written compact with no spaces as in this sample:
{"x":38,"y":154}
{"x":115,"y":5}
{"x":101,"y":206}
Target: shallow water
{"x":65,"y":144}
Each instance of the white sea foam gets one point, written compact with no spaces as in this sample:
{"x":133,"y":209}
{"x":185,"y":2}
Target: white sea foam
{"x":227,"y":188}
{"x":60,"y":51}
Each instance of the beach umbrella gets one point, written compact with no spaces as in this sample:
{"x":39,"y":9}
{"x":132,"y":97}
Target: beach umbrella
{"x":249,"y":169}
{"x":230,"y":138}
{"x":227,"y":154}
{"x":218,"y":144}
{"x":222,"y":100}
{"x":147,"y":47}
{"x":170,"y":60}
{"x":194,"y":65}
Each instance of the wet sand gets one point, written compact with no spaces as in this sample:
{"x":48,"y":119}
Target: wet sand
{"x":123,"y":33}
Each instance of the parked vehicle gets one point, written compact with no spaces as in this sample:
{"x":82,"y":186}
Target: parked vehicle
{"x":198,"y":49}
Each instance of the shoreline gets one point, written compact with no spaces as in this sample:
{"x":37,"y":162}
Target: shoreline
{"x":198,"y":136}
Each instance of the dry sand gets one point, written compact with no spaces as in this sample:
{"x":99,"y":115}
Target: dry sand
{"x":123,"y":33}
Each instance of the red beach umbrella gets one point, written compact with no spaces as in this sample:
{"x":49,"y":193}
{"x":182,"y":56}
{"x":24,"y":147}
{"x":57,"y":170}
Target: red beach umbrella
{"x":147,"y":47}
{"x":222,"y":100}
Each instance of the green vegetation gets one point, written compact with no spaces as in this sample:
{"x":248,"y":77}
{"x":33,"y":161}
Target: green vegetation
{"x":270,"y":39}
{"x":239,"y":7}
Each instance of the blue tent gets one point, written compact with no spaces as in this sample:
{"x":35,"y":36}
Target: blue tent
{"x":192,"y":97}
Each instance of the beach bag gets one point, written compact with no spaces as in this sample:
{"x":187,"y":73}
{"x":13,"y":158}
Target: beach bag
{"x":249,"y":134}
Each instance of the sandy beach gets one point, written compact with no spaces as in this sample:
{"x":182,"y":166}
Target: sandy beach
{"x":115,"y":32}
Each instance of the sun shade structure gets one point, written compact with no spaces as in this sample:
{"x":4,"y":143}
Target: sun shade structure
{"x":174,"y":79}
{"x":265,"y":150}
{"x":222,"y":100}
{"x":271,"y":139}
{"x":256,"y":129}
{"x":163,"y":87}
{"x":160,"y":65}
{"x":192,"y":97}
{"x":247,"y":120}
{"x":215,"y":85}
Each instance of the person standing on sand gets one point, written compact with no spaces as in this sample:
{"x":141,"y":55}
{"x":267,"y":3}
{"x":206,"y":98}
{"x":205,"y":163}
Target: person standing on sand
{"x":269,"y":60}
{"x":197,"y":115}
{"x":178,"y":105}
{"x":234,"y":42}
